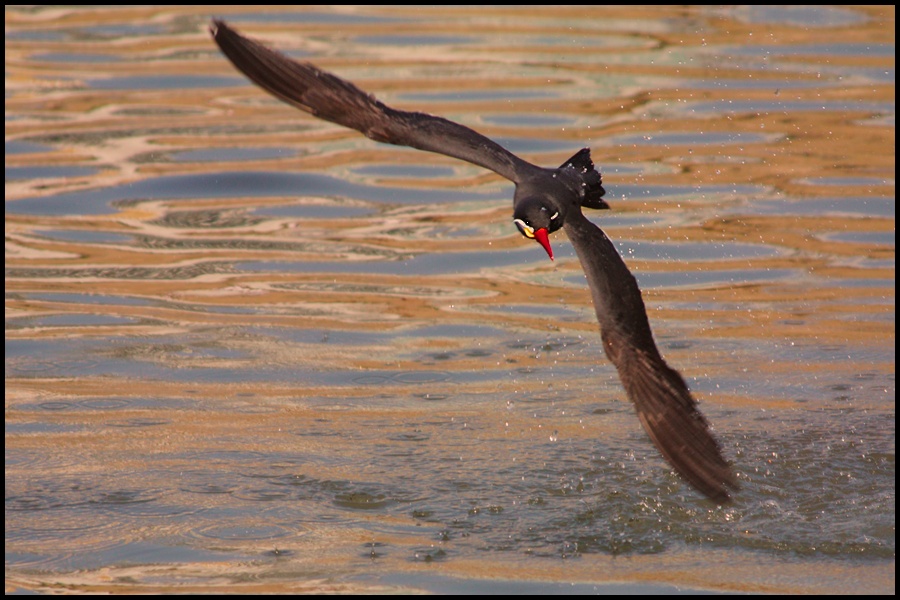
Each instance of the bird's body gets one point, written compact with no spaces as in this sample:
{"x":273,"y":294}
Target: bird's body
{"x":545,"y":201}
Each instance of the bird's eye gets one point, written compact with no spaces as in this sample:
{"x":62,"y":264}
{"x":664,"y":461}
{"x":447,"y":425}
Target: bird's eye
{"x":524,"y":228}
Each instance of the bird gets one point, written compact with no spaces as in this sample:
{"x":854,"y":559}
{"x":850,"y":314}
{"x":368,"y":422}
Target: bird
{"x":545,"y":201}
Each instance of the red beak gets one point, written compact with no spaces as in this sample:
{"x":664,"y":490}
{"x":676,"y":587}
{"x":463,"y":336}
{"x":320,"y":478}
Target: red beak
{"x":544,"y":240}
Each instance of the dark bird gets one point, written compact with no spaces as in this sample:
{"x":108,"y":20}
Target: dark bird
{"x":545,"y":200}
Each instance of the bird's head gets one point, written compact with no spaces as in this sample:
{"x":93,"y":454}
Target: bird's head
{"x":536,"y":219}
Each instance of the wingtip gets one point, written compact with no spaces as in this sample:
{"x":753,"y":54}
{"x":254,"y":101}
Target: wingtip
{"x":722,"y":497}
{"x":216,"y":25}
{"x":717,"y":488}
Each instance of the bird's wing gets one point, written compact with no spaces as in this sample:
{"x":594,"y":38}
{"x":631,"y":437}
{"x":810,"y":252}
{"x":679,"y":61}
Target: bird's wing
{"x":663,"y":402}
{"x":329,"y":97}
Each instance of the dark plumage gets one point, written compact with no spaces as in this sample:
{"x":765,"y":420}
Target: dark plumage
{"x":545,"y":200}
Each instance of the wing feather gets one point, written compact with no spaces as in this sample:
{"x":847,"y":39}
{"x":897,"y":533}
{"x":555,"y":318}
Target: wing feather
{"x":664,"y":405}
{"x":329,"y":97}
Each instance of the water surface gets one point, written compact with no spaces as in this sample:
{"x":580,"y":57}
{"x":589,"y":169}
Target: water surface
{"x":248,"y":350}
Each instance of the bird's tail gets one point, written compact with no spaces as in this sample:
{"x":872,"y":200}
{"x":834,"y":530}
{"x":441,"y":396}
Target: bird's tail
{"x":593,"y":188}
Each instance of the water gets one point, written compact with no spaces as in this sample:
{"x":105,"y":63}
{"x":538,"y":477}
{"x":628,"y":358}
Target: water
{"x":250,"y":350}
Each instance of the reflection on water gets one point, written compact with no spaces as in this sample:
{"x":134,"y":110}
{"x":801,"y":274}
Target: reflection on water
{"x":245,"y":347}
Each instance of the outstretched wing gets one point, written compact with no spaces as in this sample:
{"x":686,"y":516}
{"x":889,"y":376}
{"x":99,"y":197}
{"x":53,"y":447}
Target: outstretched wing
{"x":663,"y":402}
{"x":670,"y":416}
{"x":329,"y":97}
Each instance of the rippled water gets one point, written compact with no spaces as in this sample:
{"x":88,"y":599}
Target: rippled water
{"x":249,"y":350}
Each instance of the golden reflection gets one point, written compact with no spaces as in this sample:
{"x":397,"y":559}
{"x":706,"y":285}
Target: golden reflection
{"x":348,"y":359}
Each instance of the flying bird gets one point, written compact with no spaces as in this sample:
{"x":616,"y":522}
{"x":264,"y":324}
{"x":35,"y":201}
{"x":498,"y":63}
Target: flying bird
{"x":545,"y":200}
